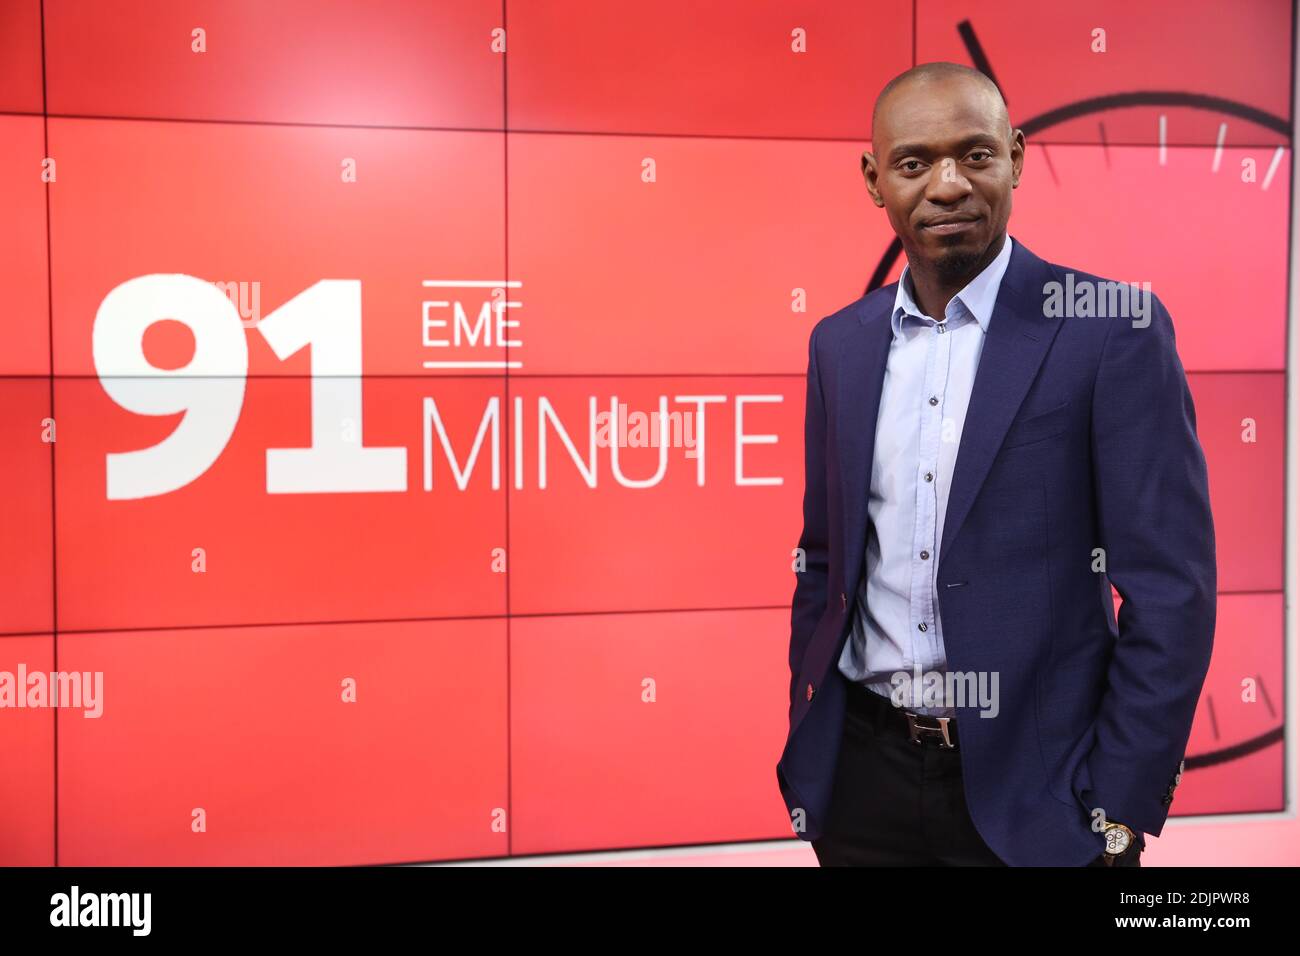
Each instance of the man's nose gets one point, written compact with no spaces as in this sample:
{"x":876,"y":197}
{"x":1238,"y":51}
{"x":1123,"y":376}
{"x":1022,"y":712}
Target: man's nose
{"x":946,"y":184}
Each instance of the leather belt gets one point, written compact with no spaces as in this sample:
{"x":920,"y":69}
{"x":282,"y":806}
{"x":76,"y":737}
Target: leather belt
{"x":918,"y":728}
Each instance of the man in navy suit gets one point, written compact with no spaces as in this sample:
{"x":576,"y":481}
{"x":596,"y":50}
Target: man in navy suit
{"x":961,"y":692}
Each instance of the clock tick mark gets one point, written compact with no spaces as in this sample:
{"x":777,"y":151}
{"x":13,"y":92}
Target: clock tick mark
{"x":1259,"y":682}
{"x":1047,"y":157}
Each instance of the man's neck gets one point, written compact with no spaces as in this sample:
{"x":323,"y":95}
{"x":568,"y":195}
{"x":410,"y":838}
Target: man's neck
{"x":933,"y":291}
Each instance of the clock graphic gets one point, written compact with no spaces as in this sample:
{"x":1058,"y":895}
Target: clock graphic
{"x":1234,"y":759}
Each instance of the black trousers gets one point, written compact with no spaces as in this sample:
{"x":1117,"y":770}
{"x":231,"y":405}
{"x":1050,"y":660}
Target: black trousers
{"x":897,"y":803}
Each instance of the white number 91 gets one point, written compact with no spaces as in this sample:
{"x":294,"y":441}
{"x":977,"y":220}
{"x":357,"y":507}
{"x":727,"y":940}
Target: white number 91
{"x":210,"y":388}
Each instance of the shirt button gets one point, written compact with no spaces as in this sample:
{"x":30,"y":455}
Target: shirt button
{"x":929,"y":476}
{"x":810,"y":691}
{"x":933,"y":400}
{"x":925,"y":555}
{"x":922,"y":627}
{"x":844,"y":601}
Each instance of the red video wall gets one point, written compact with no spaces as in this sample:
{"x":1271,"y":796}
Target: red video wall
{"x":324,"y":321}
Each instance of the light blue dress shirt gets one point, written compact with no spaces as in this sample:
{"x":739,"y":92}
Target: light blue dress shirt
{"x":928,"y":377}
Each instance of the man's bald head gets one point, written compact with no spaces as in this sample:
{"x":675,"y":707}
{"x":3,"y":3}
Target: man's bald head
{"x":942,"y":164}
{"x":942,"y":72}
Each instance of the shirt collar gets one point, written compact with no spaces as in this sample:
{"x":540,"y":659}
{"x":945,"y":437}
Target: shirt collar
{"x":978,"y":297}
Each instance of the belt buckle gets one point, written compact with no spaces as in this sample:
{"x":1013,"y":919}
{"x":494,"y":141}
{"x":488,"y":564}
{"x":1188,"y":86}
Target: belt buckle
{"x":939,"y":728}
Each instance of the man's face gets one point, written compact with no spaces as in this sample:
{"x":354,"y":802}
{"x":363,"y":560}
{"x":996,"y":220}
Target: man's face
{"x":943,"y":164}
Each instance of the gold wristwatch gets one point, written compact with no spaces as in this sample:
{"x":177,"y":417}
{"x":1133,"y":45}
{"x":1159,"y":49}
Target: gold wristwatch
{"x":1119,"y":840}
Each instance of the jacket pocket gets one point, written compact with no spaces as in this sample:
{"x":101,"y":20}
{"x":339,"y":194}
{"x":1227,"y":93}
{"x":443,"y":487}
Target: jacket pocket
{"x":1037,"y":427}
{"x":1066,"y":707}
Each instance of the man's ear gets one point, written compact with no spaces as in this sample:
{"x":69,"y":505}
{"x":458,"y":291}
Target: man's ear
{"x":870,"y":175}
{"x":1017,"y":156}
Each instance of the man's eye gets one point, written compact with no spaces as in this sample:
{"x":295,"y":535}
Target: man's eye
{"x":911,"y":165}
{"x":980,"y":155}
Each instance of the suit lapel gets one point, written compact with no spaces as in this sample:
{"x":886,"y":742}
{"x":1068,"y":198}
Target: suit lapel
{"x":861,"y":375}
{"x":1017,"y":341}
{"x":1018,"y":338}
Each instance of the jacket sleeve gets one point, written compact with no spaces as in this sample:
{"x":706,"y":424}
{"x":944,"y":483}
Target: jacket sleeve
{"x":1154,"y":523}
{"x":809,"y":602}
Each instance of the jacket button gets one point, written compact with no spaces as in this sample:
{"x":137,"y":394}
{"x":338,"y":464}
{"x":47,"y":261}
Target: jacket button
{"x":810,"y":691}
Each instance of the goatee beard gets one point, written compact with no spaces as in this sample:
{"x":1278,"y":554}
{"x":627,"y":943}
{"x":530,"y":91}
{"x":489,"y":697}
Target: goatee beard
{"x":956,"y":265}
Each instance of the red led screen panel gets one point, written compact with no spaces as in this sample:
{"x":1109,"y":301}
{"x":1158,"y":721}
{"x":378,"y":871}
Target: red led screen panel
{"x":250,"y":733}
{"x":23,"y":257}
{"x":20,"y":57}
{"x":396,"y":63}
{"x":1235,"y":757}
{"x":311,"y":505}
{"x":721,"y":265}
{"x":269,"y":212}
{"x":26,"y":517}
{"x":779,"y":68}
{"x":1213,"y":248}
{"x":1241,"y":422}
{"x":647,"y":729}
{"x":27,"y":743}
{"x":1174,"y":60}
{"x":701,"y":511}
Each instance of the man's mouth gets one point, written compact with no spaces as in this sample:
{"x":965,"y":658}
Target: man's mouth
{"x":947,"y":225}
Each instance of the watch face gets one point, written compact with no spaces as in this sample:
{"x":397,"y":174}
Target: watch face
{"x":1117,"y":840}
{"x":1145,"y":163}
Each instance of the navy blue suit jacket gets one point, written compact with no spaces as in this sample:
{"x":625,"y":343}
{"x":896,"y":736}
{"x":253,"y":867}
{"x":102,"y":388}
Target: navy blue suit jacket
{"x":1080,"y":434}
